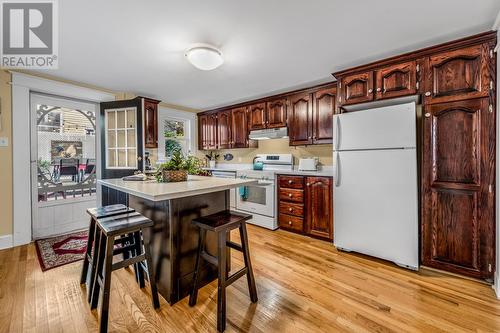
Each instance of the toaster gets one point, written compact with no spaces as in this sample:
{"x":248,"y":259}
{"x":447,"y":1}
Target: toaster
{"x":308,"y":164}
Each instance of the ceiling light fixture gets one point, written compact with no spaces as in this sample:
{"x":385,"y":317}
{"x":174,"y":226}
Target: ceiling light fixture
{"x":204,"y":57}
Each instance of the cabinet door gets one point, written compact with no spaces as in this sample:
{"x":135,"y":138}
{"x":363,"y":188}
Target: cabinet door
{"x":319,"y":207}
{"x":276,"y":113}
{"x":459,"y":188}
{"x":257,"y":115}
{"x":458,"y":75}
{"x":397,"y":80}
{"x":224,"y":129}
{"x":322,"y":116}
{"x":356,"y":88}
{"x":211,"y":131}
{"x":239,"y":128}
{"x":203,"y":132}
{"x":150,"y":124}
{"x":299,"y":121}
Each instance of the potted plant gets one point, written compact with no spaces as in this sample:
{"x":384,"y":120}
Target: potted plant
{"x":212,"y":158}
{"x":178,"y":167}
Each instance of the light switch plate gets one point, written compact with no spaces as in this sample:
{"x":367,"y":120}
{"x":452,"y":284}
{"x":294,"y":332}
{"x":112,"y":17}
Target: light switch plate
{"x":4,"y":141}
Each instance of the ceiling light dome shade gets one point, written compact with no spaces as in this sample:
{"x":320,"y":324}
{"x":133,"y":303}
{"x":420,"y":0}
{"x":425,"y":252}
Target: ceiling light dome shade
{"x":204,"y":57}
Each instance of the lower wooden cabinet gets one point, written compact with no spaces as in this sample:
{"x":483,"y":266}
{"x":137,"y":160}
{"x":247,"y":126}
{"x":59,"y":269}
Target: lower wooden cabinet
{"x":306,"y":205}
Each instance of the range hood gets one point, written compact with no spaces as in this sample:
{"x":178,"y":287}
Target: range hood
{"x":270,"y":133}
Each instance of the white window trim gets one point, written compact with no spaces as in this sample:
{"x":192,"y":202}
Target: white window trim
{"x":22,"y":86}
{"x":191,"y":132}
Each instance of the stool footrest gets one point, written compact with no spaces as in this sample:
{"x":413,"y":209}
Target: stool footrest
{"x":123,"y":249}
{"x":210,"y":258}
{"x":128,"y":262}
{"x":236,"y":276}
{"x":234,"y":245}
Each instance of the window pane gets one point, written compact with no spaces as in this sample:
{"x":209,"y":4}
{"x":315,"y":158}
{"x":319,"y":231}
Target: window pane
{"x":132,"y":158}
{"x":173,"y":129}
{"x":120,"y":138}
{"x":131,"y":138}
{"x":131,"y":118}
{"x":111,"y":139}
{"x":111,"y":157}
{"x":120,"y":119}
{"x":122,"y":160}
{"x":171,"y":146}
{"x":111,"y":119}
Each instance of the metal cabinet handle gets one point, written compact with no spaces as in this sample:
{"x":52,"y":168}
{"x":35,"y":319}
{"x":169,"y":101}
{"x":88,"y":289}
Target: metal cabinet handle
{"x":289,"y":195}
{"x":307,"y":184}
{"x":427,"y":93}
{"x":290,"y":222}
{"x":370,"y":91}
{"x":427,"y":115}
{"x":289,"y":182}
{"x":290,"y":209}
{"x":378,"y":89}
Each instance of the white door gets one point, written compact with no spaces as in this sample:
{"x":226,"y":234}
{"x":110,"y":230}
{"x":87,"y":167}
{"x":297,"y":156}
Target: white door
{"x":386,"y":127}
{"x":375,"y":204}
{"x":63,"y":164}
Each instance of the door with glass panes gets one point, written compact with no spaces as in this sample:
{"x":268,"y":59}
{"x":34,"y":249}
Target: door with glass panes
{"x":122,"y":141}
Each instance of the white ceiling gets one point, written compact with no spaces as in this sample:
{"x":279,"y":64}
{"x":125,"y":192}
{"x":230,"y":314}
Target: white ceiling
{"x":269,"y":46}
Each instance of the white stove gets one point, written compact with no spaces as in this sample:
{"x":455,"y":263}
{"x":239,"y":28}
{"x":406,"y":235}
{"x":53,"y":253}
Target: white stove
{"x":260,"y":199}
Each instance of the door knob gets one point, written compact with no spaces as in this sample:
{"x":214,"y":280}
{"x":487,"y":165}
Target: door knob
{"x":139,"y":158}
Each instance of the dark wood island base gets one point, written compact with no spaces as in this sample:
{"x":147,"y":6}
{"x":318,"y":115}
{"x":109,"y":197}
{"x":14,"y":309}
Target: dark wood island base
{"x":173,"y":239}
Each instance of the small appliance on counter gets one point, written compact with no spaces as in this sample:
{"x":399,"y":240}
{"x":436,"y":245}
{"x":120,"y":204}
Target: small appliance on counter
{"x":147,"y":161}
{"x":308,"y":164}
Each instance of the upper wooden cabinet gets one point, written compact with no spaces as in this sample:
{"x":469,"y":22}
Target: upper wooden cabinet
{"x":239,"y":129}
{"x":322,"y":115}
{"x":458,"y":74}
{"x":396,"y":80}
{"x":207,"y":131}
{"x":276,"y":113}
{"x":300,"y":123}
{"x":257,"y":116}
{"x":356,"y":88}
{"x":224,"y":125}
{"x":150,"y":107}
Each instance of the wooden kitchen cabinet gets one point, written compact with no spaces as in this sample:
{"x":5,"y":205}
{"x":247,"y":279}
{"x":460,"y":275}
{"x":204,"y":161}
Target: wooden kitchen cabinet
{"x":276,"y":113}
{"x":356,"y":88}
{"x":150,"y":107}
{"x":319,"y":207}
{"x":257,"y":116}
{"x":458,"y":206}
{"x":207,"y":131}
{"x":224,"y":124}
{"x":239,"y":129}
{"x":396,"y":80}
{"x":458,"y":74}
{"x":300,"y":122}
{"x":322,"y":115}
{"x":306,"y":205}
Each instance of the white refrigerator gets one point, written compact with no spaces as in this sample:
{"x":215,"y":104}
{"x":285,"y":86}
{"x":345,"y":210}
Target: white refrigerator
{"x":375,"y":192}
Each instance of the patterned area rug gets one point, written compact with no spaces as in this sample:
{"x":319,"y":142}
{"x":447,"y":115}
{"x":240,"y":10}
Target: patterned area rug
{"x":61,"y":250}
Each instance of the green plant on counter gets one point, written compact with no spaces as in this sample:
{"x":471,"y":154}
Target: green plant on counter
{"x":192,"y":164}
{"x":212,"y":156}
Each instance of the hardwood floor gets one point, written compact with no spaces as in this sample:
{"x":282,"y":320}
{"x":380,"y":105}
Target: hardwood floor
{"x":304,"y":285}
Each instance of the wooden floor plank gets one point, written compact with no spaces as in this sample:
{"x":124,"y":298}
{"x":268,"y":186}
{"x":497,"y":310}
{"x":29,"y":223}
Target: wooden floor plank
{"x":304,"y":285}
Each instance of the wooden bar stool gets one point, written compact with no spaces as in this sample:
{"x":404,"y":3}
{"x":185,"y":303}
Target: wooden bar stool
{"x":93,"y":240}
{"x":221,"y":223}
{"x":110,"y":229}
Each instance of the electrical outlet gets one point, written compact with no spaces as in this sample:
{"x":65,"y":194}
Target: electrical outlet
{"x":4,"y":141}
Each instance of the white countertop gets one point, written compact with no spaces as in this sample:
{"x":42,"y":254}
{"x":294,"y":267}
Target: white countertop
{"x":154,"y":191}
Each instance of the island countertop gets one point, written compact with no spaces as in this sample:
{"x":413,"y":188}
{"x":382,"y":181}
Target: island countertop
{"x":154,"y":191}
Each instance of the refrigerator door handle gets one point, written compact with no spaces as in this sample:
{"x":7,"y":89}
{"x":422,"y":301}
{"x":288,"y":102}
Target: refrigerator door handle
{"x":337,"y":133}
{"x":337,"y":170}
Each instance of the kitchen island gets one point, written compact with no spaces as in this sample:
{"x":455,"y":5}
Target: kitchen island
{"x":173,"y":239}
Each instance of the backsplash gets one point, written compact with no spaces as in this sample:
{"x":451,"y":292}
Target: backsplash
{"x":279,"y":146}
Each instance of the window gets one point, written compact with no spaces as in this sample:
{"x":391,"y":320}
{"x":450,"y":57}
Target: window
{"x":121,"y":140}
{"x":177,"y":130}
{"x":175,"y":136}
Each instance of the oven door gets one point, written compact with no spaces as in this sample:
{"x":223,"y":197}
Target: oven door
{"x":256,"y":198}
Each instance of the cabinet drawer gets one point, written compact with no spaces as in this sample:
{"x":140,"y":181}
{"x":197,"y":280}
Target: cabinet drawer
{"x":294,"y":195}
{"x":291,"y":222}
{"x":291,"y":208}
{"x":291,"y":182}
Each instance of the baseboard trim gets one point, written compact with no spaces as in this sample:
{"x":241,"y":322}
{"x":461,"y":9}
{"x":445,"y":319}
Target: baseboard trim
{"x":5,"y":242}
